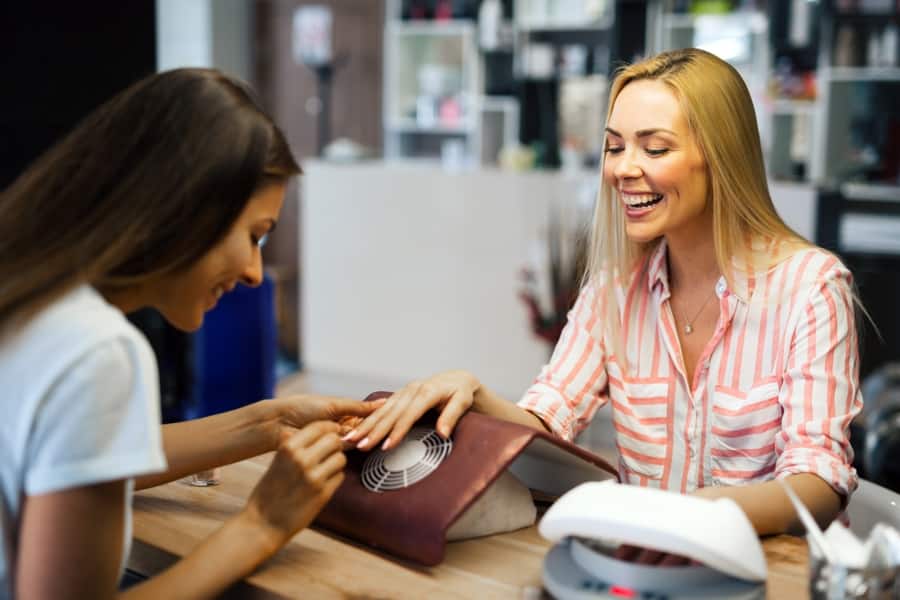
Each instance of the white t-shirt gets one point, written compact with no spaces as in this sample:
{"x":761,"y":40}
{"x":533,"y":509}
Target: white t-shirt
{"x":79,"y":405}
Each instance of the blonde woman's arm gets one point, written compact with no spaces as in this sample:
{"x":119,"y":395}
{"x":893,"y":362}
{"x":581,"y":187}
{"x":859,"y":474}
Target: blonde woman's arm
{"x":769,"y":509}
{"x":819,"y":397}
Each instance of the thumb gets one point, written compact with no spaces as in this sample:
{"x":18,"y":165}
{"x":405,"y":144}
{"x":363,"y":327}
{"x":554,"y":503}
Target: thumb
{"x":285,"y":434}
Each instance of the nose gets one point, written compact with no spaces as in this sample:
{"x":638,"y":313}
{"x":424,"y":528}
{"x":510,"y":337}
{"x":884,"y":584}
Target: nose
{"x":253,"y":273}
{"x":626,"y":166}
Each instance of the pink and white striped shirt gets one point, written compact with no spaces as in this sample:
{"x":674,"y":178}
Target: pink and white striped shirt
{"x":773,"y":393}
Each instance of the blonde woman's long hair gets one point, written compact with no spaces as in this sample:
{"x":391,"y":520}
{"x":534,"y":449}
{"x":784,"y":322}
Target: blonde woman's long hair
{"x":720,"y":115}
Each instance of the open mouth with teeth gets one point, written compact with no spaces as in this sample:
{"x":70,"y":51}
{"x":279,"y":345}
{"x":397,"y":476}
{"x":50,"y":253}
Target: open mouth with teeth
{"x":644,"y":200}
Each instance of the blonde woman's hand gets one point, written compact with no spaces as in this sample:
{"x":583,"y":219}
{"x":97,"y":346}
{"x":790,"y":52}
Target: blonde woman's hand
{"x":647,"y":556}
{"x":452,"y":393}
{"x":306,"y":471}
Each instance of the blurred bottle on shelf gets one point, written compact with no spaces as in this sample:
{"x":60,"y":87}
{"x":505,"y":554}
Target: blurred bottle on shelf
{"x":845,"y":47}
{"x":890,"y":38}
{"x":490,"y":16}
{"x":443,"y":10}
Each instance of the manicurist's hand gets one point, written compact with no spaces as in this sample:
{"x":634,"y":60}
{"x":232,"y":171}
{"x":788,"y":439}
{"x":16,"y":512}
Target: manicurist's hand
{"x":306,"y":471}
{"x":452,"y":393}
{"x":298,"y":411}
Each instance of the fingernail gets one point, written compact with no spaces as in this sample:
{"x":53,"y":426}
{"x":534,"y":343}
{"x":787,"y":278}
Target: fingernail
{"x":349,"y":435}
{"x":364,"y":442}
{"x":386,"y":444}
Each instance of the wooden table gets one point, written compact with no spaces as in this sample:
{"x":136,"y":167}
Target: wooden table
{"x":171,"y":519}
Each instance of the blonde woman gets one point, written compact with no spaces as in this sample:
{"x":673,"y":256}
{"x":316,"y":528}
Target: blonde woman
{"x":725,"y":342}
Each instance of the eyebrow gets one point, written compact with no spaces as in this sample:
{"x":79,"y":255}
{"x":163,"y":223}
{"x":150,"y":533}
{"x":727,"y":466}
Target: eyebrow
{"x":643,"y":132}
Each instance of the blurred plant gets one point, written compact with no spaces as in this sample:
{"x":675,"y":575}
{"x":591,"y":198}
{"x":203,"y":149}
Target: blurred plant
{"x":551,"y":283}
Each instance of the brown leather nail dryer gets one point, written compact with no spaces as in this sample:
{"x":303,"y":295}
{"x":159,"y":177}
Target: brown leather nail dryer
{"x":411,"y":500}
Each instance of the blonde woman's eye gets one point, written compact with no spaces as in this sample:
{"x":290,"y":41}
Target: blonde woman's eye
{"x":657,"y":151}
{"x":613,"y":149}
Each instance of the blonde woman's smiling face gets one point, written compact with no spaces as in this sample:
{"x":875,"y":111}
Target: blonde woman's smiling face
{"x":655,"y":165}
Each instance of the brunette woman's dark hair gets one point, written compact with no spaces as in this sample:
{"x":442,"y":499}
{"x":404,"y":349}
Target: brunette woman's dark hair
{"x":143,"y":186}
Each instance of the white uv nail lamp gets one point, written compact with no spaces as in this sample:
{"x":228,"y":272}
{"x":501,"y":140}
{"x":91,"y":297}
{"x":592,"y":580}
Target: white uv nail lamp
{"x":591,"y":520}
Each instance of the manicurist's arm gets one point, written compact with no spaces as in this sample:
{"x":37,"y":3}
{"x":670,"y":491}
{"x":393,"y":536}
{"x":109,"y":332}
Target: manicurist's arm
{"x":228,"y":437}
{"x":70,"y":542}
{"x":306,"y":471}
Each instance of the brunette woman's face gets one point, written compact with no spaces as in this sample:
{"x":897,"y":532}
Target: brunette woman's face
{"x":655,"y":165}
{"x":184,"y":298}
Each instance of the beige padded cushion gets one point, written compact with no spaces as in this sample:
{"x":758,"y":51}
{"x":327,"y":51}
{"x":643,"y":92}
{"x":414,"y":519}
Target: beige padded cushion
{"x":505,"y":506}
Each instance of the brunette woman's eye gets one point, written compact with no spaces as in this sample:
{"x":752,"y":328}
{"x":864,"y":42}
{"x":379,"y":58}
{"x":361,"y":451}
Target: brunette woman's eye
{"x":613,"y":149}
{"x":260,"y":241}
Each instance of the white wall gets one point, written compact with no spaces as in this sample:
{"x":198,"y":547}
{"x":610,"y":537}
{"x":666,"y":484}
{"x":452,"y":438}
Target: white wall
{"x":183,"y":34}
{"x":205,"y":33}
{"x":407,"y":271}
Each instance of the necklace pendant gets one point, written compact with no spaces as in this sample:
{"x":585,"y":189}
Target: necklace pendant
{"x":688,"y":329}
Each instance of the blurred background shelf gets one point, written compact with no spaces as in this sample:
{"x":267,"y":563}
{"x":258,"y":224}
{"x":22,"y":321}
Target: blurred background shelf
{"x":857,"y":74}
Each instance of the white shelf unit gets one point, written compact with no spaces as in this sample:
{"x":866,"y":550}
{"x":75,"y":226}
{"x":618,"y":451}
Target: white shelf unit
{"x":419,"y":53}
{"x":433,"y":78}
{"x":846,"y":95}
{"x":739,"y":37}
{"x":834,"y":158}
{"x":410,"y":125}
{"x":563,"y":15}
{"x":791,"y":131}
{"x":782,"y":106}
{"x":537,"y":19}
{"x":794,"y":132}
{"x":426,"y":64}
{"x":860,"y":74}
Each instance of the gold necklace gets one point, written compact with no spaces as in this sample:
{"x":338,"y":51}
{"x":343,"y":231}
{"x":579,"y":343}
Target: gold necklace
{"x":689,"y":323}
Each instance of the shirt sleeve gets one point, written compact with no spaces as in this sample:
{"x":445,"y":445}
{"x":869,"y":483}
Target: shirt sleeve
{"x":572,"y":386}
{"x":99,"y":421}
{"x":820,"y":392}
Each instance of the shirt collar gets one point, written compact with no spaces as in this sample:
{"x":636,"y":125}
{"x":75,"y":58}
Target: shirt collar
{"x":657,"y":269}
{"x":658,"y":275}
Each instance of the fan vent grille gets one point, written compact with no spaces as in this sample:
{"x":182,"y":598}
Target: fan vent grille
{"x":420,"y":453}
